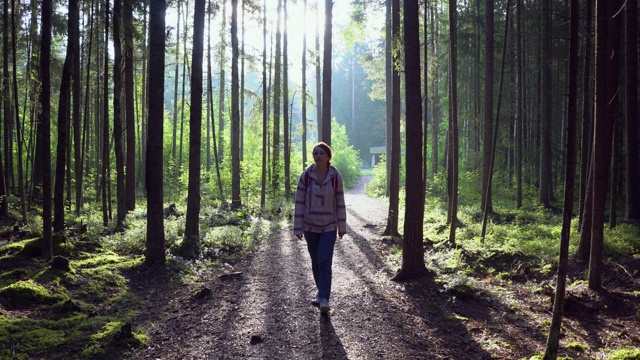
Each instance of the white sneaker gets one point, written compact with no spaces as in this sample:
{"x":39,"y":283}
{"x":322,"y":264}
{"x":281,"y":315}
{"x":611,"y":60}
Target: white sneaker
{"x":324,"y":306}
{"x":316,"y":301}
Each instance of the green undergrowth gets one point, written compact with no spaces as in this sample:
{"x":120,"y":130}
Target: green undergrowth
{"x":519,"y":252}
{"x":99,"y":307}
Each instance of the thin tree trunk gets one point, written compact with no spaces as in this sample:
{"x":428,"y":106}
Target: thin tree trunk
{"x":275,"y":145}
{"x":326,"y":72}
{"x":190,"y":246}
{"x":236,"y":201}
{"x":19,"y":129}
{"x":63,"y":116}
{"x":496,"y":127}
{"x":318,"y":74}
{"x":130,"y":182}
{"x":45,"y":125}
{"x":265,"y":130}
{"x":519,"y":112}
{"x":285,"y":106}
{"x":393,"y":154}
{"x":117,"y":116}
{"x":304,"y":89}
{"x":183,"y":89}
{"x":488,"y":108}
{"x":553,"y":339}
{"x":221,"y":98}
{"x":174,"y":139}
{"x":545,"y":190}
{"x":453,"y":125}
{"x":104,"y":182}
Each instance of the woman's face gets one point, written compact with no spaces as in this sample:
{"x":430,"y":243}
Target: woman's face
{"x":319,"y":155}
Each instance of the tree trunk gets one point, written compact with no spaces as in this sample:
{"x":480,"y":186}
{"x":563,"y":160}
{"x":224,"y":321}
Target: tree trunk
{"x":631,"y":120}
{"x":190,"y":247}
{"x":221,"y":98}
{"x":211,"y":112}
{"x":236,"y":201}
{"x":285,"y":107}
{"x":425,"y":103}
{"x":129,"y":103}
{"x":174,"y":138}
{"x":80,"y":147}
{"x":389,"y":66}
{"x":304,"y":89}
{"x":19,"y":127}
{"x":117,"y":115}
{"x":607,"y":108}
{"x":586,"y":124}
{"x":519,"y":112}
{"x":487,"y":140}
{"x":155,"y":253}
{"x":104,"y":181}
{"x":63,"y":117}
{"x":545,"y":193}
{"x":453,"y":124}
{"x":496,"y":127}
{"x":6,"y":100}
{"x":185,"y":71}
{"x":435,"y":99}
{"x":326,"y":72}
{"x":413,"y":265}
{"x":277,"y":94}
{"x":318,"y":75}
{"x":393,"y":156}
{"x":551,"y":351}
{"x":45,"y":124}
{"x":265,"y":129}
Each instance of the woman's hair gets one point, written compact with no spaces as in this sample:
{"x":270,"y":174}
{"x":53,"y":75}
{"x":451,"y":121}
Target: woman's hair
{"x":327,"y":150}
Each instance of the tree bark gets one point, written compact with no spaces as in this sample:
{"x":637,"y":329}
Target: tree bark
{"x":304,"y":89}
{"x":191,"y":245}
{"x":45,"y":125}
{"x":608,"y":28}
{"x":63,"y":118}
{"x":326,"y":72}
{"x":393,"y":154}
{"x":117,"y":115}
{"x":488,"y":107}
{"x":631,"y":120}
{"x":285,"y":106}
{"x":129,"y":103}
{"x":453,"y":124}
{"x":551,"y":351}
{"x":413,"y":265}
{"x":277,"y":94}
{"x":236,"y":201}
{"x":155,"y":254}
{"x":545,"y":191}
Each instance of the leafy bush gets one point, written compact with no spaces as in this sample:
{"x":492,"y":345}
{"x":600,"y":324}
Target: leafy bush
{"x":346,"y":158}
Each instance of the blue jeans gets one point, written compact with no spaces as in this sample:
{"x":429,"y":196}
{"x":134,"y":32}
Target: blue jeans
{"x":320,"y":246}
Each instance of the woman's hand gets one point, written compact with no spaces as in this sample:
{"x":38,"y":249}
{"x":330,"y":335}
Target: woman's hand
{"x":341,"y":234}
{"x":299,"y":236}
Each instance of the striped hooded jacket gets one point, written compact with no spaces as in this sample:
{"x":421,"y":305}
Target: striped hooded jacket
{"x":320,"y":207}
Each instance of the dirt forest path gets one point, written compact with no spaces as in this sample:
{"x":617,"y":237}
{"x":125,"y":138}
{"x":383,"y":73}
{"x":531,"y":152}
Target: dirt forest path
{"x":260,"y":309}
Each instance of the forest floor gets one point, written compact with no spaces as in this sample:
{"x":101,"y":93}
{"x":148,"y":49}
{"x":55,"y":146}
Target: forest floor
{"x":259,"y":307}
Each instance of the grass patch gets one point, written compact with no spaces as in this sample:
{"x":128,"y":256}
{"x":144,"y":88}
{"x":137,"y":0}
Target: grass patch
{"x":625,"y":354}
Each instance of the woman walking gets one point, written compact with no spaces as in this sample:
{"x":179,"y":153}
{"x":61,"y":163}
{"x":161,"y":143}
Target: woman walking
{"x":320,"y":215}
